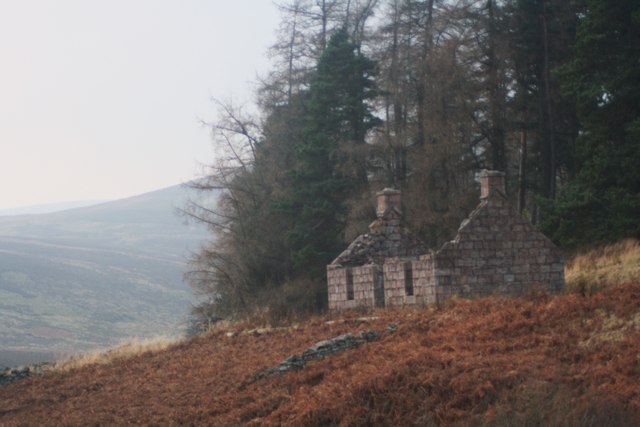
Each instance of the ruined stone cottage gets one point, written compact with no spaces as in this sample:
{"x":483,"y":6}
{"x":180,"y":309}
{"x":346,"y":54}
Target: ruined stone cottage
{"x":496,"y":251}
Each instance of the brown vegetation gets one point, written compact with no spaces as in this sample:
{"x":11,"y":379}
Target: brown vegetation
{"x":540,"y":360}
{"x":496,"y":360}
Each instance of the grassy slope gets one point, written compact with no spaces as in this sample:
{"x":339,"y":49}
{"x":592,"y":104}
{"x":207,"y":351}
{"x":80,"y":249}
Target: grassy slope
{"x":94,"y":276}
{"x":566,"y":360}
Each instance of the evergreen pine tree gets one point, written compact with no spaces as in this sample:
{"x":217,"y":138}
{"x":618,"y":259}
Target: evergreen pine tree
{"x":603,"y":202}
{"x":337,"y":114}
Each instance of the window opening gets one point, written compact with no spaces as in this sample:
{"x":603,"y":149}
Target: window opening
{"x":350,"y":295}
{"x":378,"y":288}
{"x":408,"y":279}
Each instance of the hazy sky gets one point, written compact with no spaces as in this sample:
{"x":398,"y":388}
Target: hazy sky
{"x":101,"y":99}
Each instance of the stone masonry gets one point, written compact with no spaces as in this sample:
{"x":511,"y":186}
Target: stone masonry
{"x":495,"y":251}
{"x":386,"y":237}
{"x":356,"y":277}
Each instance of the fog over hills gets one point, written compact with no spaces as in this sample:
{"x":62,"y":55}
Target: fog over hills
{"x":92,"y":276}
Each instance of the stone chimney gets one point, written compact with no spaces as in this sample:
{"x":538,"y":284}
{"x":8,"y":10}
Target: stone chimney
{"x":491,"y":181}
{"x":387,"y":199}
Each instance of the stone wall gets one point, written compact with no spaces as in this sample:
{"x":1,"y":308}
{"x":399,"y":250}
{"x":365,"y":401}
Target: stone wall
{"x":409,"y":282}
{"x":350,"y":287}
{"x":321,"y":350}
{"x":394,"y":282}
{"x":424,"y":287}
{"x":497,"y":251}
{"x":365,"y":281}
{"x":337,"y":288}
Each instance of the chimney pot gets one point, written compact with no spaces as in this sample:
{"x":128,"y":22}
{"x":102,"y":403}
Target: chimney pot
{"x":491,"y":181}
{"x":387,"y":199}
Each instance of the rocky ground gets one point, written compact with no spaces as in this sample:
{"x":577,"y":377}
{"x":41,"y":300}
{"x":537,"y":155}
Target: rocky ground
{"x":9,"y":375}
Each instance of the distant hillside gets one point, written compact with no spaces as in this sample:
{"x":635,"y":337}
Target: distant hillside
{"x":123,"y":224}
{"x":48,"y":208}
{"x":92,"y":276}
{"x":566,"y":360}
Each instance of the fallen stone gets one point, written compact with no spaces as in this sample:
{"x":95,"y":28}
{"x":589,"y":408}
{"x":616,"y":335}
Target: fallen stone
{"x":320,"y":350}
{"x":9,"y":375}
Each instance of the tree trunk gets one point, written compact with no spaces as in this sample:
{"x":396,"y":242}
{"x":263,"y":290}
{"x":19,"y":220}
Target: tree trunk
{"x":550,"y":158}
{"x":496,"y":133}
{"x":522,"y":171}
